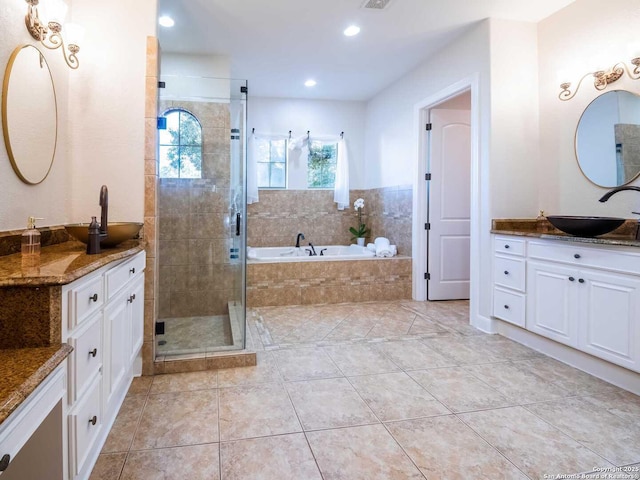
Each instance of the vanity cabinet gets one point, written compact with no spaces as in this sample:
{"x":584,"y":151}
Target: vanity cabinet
{"x":104,"y":313}
{"x":584,"y":296}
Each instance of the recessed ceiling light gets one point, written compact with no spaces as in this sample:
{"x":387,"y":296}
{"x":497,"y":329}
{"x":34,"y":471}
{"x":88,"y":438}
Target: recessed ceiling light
{"x":352,"y":30}
{"x":310,"y":83}
{"x":166,"y":21}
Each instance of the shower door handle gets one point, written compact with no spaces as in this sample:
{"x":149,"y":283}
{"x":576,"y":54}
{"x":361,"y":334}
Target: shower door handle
{"x":238,"y":224}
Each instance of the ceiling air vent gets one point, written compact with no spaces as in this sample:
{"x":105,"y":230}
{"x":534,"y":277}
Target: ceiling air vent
{"x":376,"y":4}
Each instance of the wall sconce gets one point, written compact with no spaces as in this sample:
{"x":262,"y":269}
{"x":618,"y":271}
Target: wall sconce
{"x":602,"y":78}
{"x":49,"y":34}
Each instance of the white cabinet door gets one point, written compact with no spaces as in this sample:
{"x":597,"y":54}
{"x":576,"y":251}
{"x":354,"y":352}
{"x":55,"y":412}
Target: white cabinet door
{"x":609,"y":306}
{"x":136,"y":317}
{"x":551,"y":305}
{"x":117,"y":341}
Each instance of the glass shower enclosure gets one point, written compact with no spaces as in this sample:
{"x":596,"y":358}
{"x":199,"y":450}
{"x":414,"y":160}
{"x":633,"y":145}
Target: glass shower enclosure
{"x":201,"y":215}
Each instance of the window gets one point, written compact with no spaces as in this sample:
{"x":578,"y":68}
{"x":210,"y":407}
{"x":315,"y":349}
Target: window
{"x":272,"y":163}
{"x":321,"y":168}
{"x":181,"y":146}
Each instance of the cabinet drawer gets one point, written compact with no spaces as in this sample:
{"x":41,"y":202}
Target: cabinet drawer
{"x":118,"y":276}
{"x":509,"y":306}
{"x":509,"y":245}
{"x":86,"y":298}
{"x":607,"y":259}
{"x":86,"y":358}
{"x":82,"y":431}
{"x":509,"y":272}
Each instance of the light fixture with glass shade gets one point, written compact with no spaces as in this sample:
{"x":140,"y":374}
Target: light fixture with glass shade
{"x":44,"y":23}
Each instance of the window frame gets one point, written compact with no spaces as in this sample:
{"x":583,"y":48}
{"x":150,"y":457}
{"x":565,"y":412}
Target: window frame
{"x":270,"y":162}
{"x":335,"y":163}
{"x":179,"y":145}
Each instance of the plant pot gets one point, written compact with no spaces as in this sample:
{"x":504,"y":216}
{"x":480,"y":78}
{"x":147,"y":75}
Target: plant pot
{"x":360,"y":241}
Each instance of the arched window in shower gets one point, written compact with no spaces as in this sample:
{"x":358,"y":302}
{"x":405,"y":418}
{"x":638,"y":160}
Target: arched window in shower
{"x":180,"y":145}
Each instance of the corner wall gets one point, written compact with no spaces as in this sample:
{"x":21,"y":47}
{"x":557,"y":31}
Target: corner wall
{"x":585,"y":36}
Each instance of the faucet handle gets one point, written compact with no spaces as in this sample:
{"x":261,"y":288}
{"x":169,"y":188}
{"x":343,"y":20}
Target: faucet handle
{"x":636,"y":213}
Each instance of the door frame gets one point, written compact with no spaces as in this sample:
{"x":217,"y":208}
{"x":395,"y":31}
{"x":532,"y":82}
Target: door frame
{"x":420,"y":207}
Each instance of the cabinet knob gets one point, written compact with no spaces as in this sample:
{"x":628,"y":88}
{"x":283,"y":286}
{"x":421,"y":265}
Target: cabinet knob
{"x":94,"y":297}
{"x":576,"y":256}
{"x":571,"y":279}
{"x":93,"y":420}
{"x":581,"y":280}
{"x":4,"y":462}
{"x":506,"y":246}
{"x":506,"y":272}
{"x":132,"y":270}
{"x":93,"y":352}
{"x":506,"y":307}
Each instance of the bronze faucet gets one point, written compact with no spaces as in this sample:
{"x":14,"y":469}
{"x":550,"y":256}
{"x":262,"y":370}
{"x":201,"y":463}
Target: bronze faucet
{"x":104,"y":207}
{"x":608,"y":195}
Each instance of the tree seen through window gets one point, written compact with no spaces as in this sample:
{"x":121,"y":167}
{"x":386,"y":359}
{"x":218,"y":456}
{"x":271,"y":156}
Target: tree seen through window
{"x":181,"y":146}
{"x":321,"y":168}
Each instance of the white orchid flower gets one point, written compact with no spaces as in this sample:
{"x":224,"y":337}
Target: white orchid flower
{"x":358,"y":204}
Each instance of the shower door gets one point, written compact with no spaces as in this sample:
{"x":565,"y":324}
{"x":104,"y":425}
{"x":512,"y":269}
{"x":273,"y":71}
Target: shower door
{"x":201,"y":215}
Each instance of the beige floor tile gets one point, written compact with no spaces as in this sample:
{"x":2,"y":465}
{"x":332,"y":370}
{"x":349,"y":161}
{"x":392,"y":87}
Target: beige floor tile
{"x":501,"y":347}
{"x":264,"y":372}
{"x":177,"y":419}
{"x":571,"y":379}
{"x":329,"y":404}
{"x":517,"y":384}
{"x":460,"y":350}
{"x":604,"y":433}
{"x":196,"y":462}
{"x":422,"y":325}
{"x":459,"y":390}
{"x":623,"y":404}
{"x":124,"y":427}
{"x":182,"y":382}
{"x":351,"y":329}
{"x":361,"y":453}
{"x":360,"y":360}
{"x":446,"y":449}
{"x":140,"y":386}
{"x":414,"y":355}
{"x":256,"y":411}
{"x":532,"y":444}
{"x":281,"y":457}
{"x":396,"y":396}
{"x":108,"y":467}
{"x":390,"y":327}
{"x":305,"y":364}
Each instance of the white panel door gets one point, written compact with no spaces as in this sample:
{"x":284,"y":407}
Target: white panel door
{"x":610,"y":317}
{"x":449,"y":205}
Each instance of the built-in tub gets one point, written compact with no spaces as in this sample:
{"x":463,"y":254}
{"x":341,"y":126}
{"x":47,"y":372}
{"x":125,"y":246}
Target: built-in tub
{"x":289,"y":276}
{"x":301,"y":254}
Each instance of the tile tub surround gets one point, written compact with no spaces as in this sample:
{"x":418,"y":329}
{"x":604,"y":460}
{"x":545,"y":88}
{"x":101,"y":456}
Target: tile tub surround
{"x":305,"y":411}
{"x":281,"y":214}
{"x":305,"y":283}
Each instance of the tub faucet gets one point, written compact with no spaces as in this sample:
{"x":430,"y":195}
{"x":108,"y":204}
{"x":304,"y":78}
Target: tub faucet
{"x":312,"y":252}
{"x":104,"y":207}
{"x":298,"y":238}
{"x":610,"y":193}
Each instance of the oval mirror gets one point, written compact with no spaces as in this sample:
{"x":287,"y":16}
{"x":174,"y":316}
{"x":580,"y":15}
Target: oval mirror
{"x":608,"y":139}
{"x":29,"y":114}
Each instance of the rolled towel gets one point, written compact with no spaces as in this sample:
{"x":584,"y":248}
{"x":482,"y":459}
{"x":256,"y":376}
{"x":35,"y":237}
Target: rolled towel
{"x":372,"y":247}
{"x":381,"y":242}
{"x":383,"y":252}
{"x":394,"y":250}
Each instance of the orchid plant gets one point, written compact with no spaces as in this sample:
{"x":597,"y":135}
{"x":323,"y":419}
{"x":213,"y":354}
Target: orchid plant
{"x":362,"y":231}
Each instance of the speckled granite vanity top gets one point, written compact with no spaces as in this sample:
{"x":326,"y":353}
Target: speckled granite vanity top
{"x":61,"y":264}
{"x":624,"y":235}
{"x":22,"y":370}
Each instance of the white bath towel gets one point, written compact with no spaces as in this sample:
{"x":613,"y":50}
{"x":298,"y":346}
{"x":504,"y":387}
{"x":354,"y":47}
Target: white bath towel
{"x":394,"y":250}
{"x":371,"y":246}
{"x":382,"y":242}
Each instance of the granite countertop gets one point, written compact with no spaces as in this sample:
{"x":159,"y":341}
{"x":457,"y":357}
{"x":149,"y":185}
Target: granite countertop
{"x":22,"y":370}
{"x":531,"y":227}
{"x":61,"y":264}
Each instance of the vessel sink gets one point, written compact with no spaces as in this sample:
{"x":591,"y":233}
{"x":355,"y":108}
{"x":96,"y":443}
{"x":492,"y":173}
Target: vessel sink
{"x":585,"y":226}
{"x":117,"y":232}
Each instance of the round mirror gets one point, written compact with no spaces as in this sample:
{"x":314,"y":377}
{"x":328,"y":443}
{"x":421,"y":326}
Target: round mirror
{"x":608,"y":139}
{"x":29,"y":114}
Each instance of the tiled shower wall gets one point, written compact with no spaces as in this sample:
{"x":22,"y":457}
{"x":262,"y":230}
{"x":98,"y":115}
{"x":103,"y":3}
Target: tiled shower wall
{"x":196,"y":278}
{"x":281,"y":214}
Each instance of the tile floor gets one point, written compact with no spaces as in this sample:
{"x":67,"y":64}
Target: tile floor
{"x":386,"y":390}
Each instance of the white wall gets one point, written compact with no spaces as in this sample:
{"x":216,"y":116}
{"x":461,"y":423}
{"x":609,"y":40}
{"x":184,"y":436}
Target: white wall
{"x":51,"y":198}
{"x":323,"y":118}
{"x":107,"y":108}
{"x":581,"y":38}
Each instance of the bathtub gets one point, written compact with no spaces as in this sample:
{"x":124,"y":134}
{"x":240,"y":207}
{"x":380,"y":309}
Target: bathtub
{"x":293,"y":254}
